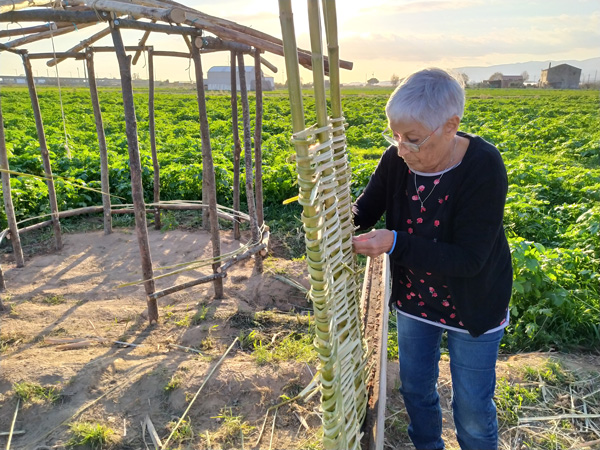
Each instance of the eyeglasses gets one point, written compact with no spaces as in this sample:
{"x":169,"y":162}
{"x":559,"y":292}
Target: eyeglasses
{"x":415,"y":148}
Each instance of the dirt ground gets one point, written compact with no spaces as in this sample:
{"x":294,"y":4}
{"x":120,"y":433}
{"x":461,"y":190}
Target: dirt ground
{"x":75,"y":293}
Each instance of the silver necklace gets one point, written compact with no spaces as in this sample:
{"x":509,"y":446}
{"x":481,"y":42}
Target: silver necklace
{"x":436,"y":181}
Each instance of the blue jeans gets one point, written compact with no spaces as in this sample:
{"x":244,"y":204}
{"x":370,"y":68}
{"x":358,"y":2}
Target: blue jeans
{"x":473,"y":368}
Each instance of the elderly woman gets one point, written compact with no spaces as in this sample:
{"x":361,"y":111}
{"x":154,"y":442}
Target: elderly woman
{"x":443,"y":193}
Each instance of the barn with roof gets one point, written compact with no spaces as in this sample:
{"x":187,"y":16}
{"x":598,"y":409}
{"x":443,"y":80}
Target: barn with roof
{"x":563,"y":76}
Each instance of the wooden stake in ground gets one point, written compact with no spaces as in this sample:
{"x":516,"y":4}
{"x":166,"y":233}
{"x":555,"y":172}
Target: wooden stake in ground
{"x":258,"y":120}
{"x":152,"y":131}
{"x":248,"y":158}
{"x":8,"y":203}
{"x":136,"y":172}
{"x":39,"y":125}
{"x":89,"y":61}
{"x":237,"y":148}
{"x":208,"y":171}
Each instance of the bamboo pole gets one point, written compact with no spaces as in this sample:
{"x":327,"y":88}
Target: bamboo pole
{"x":104,"y":178}
{"x":180,"y":287}
{"x":28,"y":30}
{"x":149,"y":27}
{"x":270,"y":66}
{"x":63,"y":55}
{"x":208,"y":171}
{"x":237,"y":149}
{"x":136,"y":172}
{"x":248,"y":158}
{"x":82,"y":45}
{"x":142,"y":43}
{"x":152,"y":130}
{"x":39,"y":124}
{"x":46,"y":35}
{"x":8,"y":203}
{"x":258,"y":121}
{"x":15,"y":5}
{"x":212,"y":43}
{"x":173,"y":54}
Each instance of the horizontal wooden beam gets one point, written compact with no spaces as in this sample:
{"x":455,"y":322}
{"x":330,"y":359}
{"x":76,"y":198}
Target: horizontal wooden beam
{"x":14,"y":5}
{"x":61,"y":55}
{"x":129,"y":48}
{"x":53,"y":15}
{"x":23,"y":31}
{"x":159,"y":28}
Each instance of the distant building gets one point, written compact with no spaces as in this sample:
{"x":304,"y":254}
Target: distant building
{"x":507,"y":81}
{"x":563,"y":76}
{"x":219,"y":79}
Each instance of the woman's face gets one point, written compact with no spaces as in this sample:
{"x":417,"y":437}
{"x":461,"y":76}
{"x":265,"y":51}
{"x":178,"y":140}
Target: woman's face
{"x":435,"y":146}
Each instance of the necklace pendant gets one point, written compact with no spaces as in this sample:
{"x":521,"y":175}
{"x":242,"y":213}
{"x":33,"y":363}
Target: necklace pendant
{"x":423,"y":209}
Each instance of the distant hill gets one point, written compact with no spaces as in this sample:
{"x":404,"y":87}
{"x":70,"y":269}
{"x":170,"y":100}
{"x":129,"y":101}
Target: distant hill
{"x":589,"y":67}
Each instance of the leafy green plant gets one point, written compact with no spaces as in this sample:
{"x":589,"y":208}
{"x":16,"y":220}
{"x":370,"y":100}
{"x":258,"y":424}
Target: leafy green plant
{"x":90,"y":434}
{"x":33,"y":392}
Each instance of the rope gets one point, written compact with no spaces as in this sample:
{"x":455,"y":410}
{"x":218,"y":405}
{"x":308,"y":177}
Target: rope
{"x":62,"y":109}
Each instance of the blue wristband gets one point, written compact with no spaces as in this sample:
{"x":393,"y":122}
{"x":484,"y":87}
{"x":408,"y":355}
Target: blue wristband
{"x":394,"y":244}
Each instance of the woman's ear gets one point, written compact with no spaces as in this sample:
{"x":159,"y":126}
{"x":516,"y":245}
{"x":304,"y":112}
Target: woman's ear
{"x":451,"y":125}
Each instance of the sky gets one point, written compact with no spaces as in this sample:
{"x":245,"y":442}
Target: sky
{"x":381,"y":37}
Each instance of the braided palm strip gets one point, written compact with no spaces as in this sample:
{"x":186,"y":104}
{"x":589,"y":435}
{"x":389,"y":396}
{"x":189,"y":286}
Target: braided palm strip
{"x":325,"y":188}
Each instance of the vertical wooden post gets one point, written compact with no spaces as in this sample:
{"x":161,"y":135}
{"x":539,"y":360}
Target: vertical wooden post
{"x":237,"y":148}
{"x":152,"y":130}
{"x":135,"y":168}
{"x":248,"y":158}
{"x":39,"y":125}
{"x":258,"y":120}
{"x":208,"y":170}
{"x":104,"y":175}
{"x":8,"y":203}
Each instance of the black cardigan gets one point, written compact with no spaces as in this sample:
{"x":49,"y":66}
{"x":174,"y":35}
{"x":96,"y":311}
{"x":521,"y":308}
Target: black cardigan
{"x":473,"y":253}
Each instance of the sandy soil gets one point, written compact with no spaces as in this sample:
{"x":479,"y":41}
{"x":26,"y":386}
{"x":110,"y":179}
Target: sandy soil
{"x":75,"y":293}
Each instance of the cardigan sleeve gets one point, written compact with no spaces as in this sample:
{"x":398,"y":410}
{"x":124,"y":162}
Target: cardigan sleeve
{"x":475,"y":223}
{"x":371,"y":204}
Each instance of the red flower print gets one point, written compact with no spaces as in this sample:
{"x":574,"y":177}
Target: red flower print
{"x":445,"y":303}
{"x":422,"y":281}
{"x":399,"y":303}
{"x":442,"y":320}
{"x":412,"y":294}
{"x":503,"y":320}
{"x":415,"y":198}
{"x":421,"y":303}
{"x":410,"y":231}
{"x":454,"y":308}
{"x":449,"y":296}
{"x":434,"y":295}
{"x":452,"y":316}
{"x":409,"y":221}
{"x":444,"y":286}
{"x":429,"y":273}
{"x":440,"y":201}
{"x":432,"y":290}
{"x":461,"y":324}
{"x":423,"y":209}
{"x":436,"y":181}
{"x":423,"y":315}
{"x":446,"y":197}
{"x":419,"y":220}
{"x":420,"y":296}
{"x":408,"y":296}
{"x":421,"y":188}
{"x":436,"y":223}
{"x":408,"y":285}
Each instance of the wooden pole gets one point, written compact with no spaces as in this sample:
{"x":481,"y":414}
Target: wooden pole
{"x":258,"y":120}
{"x":208,"y":171}
{"x":136,"y":172}
{"x":27,"y":30}
{"x":8,"y":203}
{"x":39,"y":124}
{"x":14,"y":5}
{"x":237,"y":148}
{"x":82,"y":45}
{"x":52,"y":15}
{"x":104,"y":178}
{"x":170,"y":15}
{"x":142,"y":43}
{"x":248,"y":158}
{"x":152,"y":130}
{"x":46,"y":35}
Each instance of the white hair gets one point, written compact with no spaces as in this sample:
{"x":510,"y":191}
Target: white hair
{"x":429,"y":96}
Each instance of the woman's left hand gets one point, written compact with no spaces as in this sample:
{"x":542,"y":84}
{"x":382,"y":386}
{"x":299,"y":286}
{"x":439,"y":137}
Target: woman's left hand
{"x":373,"y":243}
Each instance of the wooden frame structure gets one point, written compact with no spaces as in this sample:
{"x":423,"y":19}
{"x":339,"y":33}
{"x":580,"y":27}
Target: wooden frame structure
{"x":150,"y":16}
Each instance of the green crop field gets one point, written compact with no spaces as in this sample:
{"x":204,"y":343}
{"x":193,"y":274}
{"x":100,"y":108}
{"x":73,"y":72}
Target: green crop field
{"x":550,"y":142}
